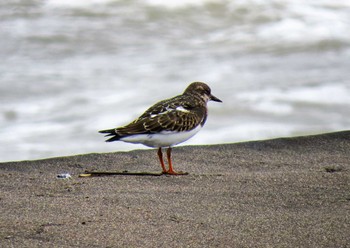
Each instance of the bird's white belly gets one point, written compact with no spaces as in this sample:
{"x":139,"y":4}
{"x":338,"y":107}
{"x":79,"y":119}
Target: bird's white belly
{"x":162,"y":139}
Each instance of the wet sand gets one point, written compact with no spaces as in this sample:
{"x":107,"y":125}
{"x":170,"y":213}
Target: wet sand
{"x":288,"y":192}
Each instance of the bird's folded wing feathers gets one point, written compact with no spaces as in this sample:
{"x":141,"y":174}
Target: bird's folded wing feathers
{"x":169,"y":118}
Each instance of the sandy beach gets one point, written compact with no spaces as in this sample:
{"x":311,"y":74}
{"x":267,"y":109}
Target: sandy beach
{"x":287,"y":192}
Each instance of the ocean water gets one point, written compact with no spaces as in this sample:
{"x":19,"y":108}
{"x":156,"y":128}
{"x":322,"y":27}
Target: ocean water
{"x":71,"y":68}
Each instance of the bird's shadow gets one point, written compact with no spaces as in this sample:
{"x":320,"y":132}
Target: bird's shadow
{"x":124,"y":173}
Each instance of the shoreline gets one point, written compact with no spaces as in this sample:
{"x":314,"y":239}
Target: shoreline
{"x":182,"y":146}
{"x":285,"y":192}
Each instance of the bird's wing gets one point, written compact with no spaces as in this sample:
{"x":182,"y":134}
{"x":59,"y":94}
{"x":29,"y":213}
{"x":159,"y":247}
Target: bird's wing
{"x":168,"y":115}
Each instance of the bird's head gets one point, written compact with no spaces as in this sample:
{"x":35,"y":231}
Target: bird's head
{"x":202,"y":90}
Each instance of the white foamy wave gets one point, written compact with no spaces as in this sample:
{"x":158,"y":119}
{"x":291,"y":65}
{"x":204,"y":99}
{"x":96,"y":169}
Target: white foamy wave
{"x":242,"y":132}
{"x":322,"y":94}
{"x":280,"y":101}
{"x":157,"y":3}
{"x":288,"y":23}
{"x":76,"y":3}
{"x":308,"y":22}
{"x":72,"y":67}
{"x":178,"y":3}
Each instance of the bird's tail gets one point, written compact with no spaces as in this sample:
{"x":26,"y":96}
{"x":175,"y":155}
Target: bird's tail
{"x":111,"y":132}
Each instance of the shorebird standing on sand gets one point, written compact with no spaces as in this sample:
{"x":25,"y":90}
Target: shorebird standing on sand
{"x":168,"y":122}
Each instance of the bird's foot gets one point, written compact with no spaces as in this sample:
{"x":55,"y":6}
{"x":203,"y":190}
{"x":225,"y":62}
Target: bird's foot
{"x":175,"y":173}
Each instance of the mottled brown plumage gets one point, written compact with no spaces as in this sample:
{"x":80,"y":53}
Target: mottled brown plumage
{"x":168,"y":122}
{"x":168,"y":116}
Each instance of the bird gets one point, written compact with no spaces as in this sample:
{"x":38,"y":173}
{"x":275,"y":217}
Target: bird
{"x":168,"y":123}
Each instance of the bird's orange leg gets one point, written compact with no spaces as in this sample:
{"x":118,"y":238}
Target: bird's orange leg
{"x":160,"y":156}
{"x":171,"y":170}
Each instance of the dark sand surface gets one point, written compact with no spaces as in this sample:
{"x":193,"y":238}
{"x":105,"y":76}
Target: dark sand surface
{"x":290,"y":192}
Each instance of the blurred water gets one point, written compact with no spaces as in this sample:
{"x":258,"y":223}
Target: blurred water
{"x":70,"y":68}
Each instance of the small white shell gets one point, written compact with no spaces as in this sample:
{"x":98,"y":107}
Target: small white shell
{"x":64,"y":176}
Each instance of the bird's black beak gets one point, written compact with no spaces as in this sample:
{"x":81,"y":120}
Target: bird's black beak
{"x":214,"y":98}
